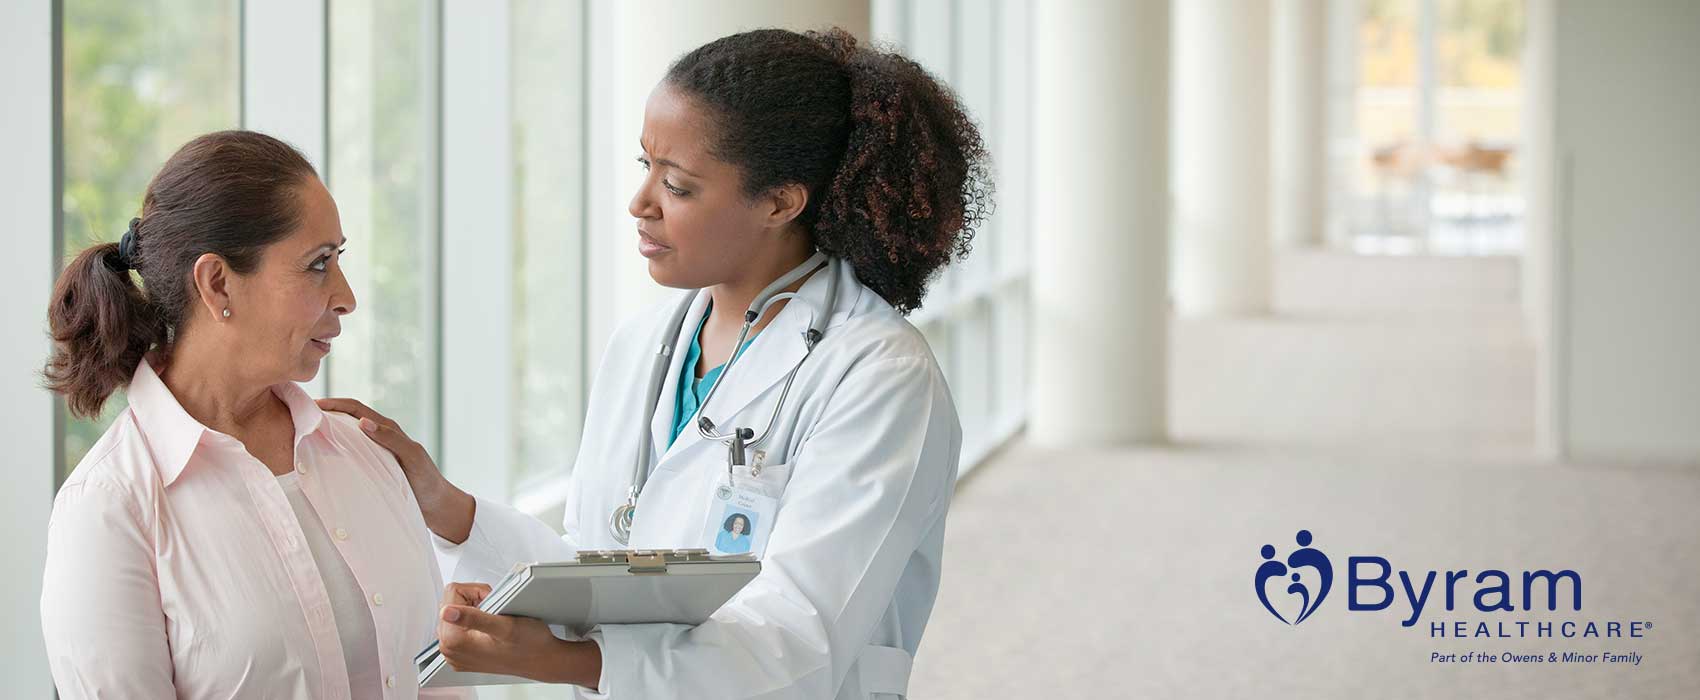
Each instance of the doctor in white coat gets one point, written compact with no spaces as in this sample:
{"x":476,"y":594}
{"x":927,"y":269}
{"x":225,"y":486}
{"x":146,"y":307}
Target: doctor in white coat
{"x":766,"y":153}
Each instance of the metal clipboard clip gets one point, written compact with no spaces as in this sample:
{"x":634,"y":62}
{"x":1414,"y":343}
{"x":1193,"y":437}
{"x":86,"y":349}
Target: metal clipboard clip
{"x":645,"y":561}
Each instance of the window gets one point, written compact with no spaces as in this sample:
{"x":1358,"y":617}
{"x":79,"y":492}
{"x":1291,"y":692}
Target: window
{"x":549,"y":237}
{"x":141,"y":77}
{"x":1436,"y":119}
{"x":975,"y":313}
{"x":382,"y":170}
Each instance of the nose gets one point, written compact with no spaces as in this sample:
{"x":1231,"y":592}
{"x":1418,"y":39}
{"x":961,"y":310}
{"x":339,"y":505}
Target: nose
{"x":642,"y":205}
{"x":342,"y":295}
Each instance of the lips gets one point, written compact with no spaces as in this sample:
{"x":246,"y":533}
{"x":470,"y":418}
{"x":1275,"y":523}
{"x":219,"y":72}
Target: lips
{"x":323,"y":342}
{"x":649,"y":247}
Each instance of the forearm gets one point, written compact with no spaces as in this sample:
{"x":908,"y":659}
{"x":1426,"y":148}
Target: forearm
{"x":448,"y":510}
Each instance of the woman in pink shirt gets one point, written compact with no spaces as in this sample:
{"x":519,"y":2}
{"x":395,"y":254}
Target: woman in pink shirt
{"x":225,"y":538}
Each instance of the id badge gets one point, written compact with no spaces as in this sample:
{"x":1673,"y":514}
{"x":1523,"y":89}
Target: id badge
{"x":739,"y":520}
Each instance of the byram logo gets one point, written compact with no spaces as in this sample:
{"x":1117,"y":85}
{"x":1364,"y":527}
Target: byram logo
{"x":1372,"y":584}
{"x":1306,"y":557}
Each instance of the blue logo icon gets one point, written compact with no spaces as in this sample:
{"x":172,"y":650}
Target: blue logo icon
{"x":1305,"y":556}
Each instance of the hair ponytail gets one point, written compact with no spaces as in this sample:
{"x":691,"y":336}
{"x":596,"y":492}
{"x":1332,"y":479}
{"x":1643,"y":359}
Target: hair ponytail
{"x":898,"y":175}
{"x":102,"y":325}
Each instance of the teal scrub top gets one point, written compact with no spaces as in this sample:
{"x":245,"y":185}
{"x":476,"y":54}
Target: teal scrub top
{"x":693,"y":390}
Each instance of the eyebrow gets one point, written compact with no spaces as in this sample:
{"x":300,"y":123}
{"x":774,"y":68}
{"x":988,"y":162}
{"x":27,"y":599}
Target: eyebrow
{"x":667,"y":162}
{"x":673,"y":164}
{"x":325,"y":246}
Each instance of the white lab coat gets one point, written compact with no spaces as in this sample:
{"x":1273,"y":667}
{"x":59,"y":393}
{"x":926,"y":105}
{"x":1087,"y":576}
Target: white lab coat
{"x":863,"y":460}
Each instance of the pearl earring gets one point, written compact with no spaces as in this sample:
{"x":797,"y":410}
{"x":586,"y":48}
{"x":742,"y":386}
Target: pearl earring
{"x":227,"y":313}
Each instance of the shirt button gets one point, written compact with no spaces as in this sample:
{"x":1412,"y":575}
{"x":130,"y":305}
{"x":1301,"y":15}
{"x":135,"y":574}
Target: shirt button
{"x":301,"y":467}
{"x":341,"y":534}
{"x":390,"y":681}
{"x":378,"y":599}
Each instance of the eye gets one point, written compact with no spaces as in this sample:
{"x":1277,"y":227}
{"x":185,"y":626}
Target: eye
{"x":322,"y":263}
{"x":675,"y":190}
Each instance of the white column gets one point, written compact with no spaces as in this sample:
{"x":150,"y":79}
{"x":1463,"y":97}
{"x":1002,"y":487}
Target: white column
{"x":284,"y":47}
{"x":28,"y":196}
{"x":1342,"y":144}
{"x":631,"y":45}
{"x":1101,"y":177}
{"x":477,"y":248}
{"x":1537,"y":153}
{"x":1298,"y":105}
{"x":1221,"y":157}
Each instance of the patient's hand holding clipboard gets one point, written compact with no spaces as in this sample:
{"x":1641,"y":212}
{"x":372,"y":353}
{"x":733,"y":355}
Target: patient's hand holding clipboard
{"x":604,"y":587}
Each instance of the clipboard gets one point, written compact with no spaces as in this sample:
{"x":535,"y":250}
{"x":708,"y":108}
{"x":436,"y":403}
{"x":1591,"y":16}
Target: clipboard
{"x":604,"y":587}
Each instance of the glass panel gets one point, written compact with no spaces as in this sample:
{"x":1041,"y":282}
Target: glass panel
{"x":549,"y":273}
{"x":971,"y":380}
{"x":975,"y":82}
{"x":1010,"y":359}
{"x":382,"y":171}
{"x":1477,"y":203}
{"x":141,"y":77}
{"x":1385,"y":178}
{"x":1012,"y":140}
{"x":1435,"y":170}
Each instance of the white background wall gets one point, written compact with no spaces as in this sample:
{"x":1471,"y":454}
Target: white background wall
{"x":1627,"y":228}
{"x":26,"y":412}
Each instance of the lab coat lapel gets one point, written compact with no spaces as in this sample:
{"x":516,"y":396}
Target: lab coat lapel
{"x":744,"y":400}
{"x":764,"y":365}
{"x":661,"y":426}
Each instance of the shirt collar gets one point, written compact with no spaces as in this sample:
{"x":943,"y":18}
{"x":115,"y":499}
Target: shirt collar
{"x":172,"y":435}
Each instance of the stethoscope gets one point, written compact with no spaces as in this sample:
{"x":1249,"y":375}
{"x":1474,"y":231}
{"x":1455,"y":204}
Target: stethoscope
{"x":740,"y":439}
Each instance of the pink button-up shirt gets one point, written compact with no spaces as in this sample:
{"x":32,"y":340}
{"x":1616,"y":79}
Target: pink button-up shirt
{"x":176,"y":567}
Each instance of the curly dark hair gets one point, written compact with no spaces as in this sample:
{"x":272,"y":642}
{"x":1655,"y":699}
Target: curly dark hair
{"x":897,"y":174}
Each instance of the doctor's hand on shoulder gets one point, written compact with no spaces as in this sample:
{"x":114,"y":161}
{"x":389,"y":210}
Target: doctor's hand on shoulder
{"x":448,"y":510}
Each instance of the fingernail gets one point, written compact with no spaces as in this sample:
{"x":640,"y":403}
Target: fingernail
{"x":450,"y":614}
{"x":368,"y":425}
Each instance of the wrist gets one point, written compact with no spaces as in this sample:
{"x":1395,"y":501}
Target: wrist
{"x":576,"y":662}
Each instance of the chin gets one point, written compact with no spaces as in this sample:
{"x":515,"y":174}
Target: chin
{"x":664,"y":275}
{"x":305,"y":372}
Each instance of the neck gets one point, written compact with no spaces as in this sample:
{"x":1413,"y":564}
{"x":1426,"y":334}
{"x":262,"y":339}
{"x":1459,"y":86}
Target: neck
{"x":212,"y":389}
{"x":732,"y":298}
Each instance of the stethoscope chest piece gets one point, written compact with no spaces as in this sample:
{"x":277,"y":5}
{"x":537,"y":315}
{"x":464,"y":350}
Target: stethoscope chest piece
{"x":620,"y":524}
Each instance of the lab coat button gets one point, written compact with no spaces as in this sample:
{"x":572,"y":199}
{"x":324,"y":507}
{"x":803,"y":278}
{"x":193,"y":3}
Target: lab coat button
{"x":378,"y":599}
{"x":341,"y":534}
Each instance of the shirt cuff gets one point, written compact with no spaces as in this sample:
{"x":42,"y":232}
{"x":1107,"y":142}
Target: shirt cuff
{"x":478,"y":558}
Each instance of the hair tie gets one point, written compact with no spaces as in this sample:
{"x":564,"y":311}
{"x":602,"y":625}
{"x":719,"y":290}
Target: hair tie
{"x":127,"y":247}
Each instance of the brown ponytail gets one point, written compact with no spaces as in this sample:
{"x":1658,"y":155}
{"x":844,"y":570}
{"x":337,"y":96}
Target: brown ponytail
{"x":102,"y":325}
{"x":230,"y":193}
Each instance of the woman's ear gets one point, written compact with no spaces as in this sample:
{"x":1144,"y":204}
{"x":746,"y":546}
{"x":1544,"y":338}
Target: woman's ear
{"x":785,"y":203}
{"x":212,"y":284}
